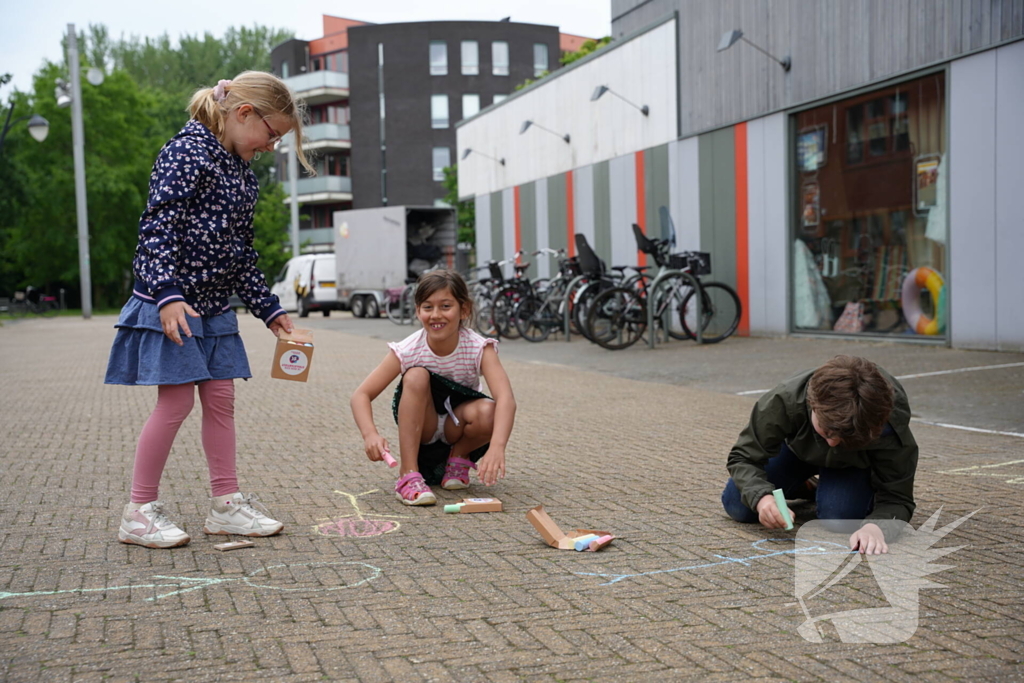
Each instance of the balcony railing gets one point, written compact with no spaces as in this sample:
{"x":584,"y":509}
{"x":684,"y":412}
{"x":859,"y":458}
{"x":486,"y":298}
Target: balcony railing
{"x":320,"y":135}
{"x":329,"y":188}
{"x":319,"y":87}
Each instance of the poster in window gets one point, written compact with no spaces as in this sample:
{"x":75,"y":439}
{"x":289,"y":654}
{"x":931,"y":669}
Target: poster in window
{"x":810,"y":149}
{"x":926,"y":170}
{"x":810,"y":212}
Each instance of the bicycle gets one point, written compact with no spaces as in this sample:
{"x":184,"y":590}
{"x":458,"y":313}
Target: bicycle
{"x":25,"y":302}
{"x":598,"y":278}
{"x":538,"y":315}
{"x":619,"y":316}
{"x":401,"y":305}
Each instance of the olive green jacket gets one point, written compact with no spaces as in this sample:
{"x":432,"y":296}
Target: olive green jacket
{"x":782,"y":416}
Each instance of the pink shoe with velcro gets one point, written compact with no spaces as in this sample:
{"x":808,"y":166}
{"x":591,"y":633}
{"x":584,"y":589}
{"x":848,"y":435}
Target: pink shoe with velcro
{"x":456,"y":474}
{"x":412,"y":490}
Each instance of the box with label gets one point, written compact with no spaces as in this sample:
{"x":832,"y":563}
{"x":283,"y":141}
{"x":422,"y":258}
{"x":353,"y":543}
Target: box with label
{"x":293,"y":355}
{"x":577,"y":539}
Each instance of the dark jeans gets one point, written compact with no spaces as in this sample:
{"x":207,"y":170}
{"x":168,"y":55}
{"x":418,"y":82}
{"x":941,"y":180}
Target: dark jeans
{"x":843,"y":494}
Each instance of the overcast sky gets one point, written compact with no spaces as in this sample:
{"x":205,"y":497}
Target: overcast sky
{"x":31,"y":30}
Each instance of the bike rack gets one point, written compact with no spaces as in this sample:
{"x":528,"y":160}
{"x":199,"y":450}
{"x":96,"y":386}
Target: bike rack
{"x":651,"y":338}
{"x":566,"y":307}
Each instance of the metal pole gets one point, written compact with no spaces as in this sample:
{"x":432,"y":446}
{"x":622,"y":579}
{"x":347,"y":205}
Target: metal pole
{"x":293,"y":190}
{"x":78,"y":149}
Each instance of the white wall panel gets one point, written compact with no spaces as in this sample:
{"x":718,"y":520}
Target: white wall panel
{"x":972,"y":215}
{"x":776,"y":224}
{"x":622,"y":180}
{"x":483,"y":229}
{"x":684,"y":192}
{"x":641,"y":70}
{"x":1009,"y":182}
{"x":544,"y":266}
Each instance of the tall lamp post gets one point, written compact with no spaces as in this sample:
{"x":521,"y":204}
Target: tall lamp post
{"x":78,"y":151}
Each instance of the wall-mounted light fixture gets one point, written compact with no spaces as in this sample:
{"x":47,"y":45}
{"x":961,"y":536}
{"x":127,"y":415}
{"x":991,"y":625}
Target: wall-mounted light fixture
{"x":602,"y":89}
{"x":466,"y":152}
{"x":526,"y":126}
{"x":729,"y":38}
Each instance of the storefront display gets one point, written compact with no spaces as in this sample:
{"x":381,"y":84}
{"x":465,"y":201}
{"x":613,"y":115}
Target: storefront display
{"x":870,"y":211}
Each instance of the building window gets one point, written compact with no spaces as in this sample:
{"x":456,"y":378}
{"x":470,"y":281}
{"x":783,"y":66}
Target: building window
{"x":438,"y":111}
{"x":337,"y":61}
{"x":499,"y":98}
{"x":871,"y":191}
{"x":499,"y":58}
{"x":438,"y":58}
{"x":442,"y":160}
{"x":332,"y":164}
{"x":470,"y":58}
{"x":284,"y":69}
{"x":540,"y":59}
{"x":470,"y":105}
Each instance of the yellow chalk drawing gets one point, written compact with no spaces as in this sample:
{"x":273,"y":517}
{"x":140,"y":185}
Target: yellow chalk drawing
{"x":356,"y":524}
{"x":986,"y":471}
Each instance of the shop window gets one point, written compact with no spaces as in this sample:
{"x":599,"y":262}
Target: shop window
{"x":438,"y":58}
{"x":470,"y":58}
{"x":870,"y":233}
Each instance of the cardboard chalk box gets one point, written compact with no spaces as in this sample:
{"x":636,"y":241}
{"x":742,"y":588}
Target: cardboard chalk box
{"x":293,"y":355}
{"x":556,"y":538}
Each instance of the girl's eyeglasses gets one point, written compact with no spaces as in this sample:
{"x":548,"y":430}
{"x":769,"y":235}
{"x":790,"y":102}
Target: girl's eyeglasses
{"x":274,"y":140}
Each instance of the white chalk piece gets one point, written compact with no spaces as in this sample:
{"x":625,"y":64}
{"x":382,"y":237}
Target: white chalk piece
{"x":234,"y":545}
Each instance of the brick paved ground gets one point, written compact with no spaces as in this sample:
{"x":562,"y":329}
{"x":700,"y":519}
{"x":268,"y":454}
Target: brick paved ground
{"x":451,"y":597}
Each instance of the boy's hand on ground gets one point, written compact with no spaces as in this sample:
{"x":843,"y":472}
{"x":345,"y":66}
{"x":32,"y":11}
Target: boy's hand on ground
{"x":491,"y":467}
{"x":281,"y":323}
{"x":869,"y":540}
{"x":768,"y":513}
{"x":375,"y":446}
{"x":173,"y":316}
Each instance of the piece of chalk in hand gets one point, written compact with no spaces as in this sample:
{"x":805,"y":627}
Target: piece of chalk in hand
{"x":780,"y":501}
{"x":389,"y":459}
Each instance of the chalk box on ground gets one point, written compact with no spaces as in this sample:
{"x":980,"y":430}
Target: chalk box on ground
{"x":556,"y":538}
{"x":293,"y":355}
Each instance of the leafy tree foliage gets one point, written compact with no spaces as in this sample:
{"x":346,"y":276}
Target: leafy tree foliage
{"x":588,"y":47}
{"x":140,"y":105}
{"x":466,"y":209}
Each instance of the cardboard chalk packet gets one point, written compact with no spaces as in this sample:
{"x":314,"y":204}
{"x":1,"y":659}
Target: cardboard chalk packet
{"x":589,"y":539}
{"x":475,"y":505}
{"x":293,"y":355}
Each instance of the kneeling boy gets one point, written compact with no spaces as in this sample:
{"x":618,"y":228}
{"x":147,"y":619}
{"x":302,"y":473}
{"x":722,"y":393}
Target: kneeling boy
{"x":847,"y":422}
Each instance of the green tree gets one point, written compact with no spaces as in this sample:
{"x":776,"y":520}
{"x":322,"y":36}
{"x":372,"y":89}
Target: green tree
{"x":588,"y":47}
{"x":466,"y":210}
{"x":270,"y":223}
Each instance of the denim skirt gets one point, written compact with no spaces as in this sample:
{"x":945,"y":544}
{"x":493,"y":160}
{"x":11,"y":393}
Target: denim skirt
{"x":142,"y":355}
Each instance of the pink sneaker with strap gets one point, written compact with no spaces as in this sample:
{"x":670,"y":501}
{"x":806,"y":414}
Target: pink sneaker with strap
{"x":412,"y":490}
{"x":456,"y":474}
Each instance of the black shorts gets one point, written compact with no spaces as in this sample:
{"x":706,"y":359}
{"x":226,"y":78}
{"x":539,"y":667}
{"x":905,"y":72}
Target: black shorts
{"x":433,"y":456}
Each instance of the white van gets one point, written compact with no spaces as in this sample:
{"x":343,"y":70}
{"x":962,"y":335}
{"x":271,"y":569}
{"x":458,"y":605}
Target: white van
{"x":306,"y":283}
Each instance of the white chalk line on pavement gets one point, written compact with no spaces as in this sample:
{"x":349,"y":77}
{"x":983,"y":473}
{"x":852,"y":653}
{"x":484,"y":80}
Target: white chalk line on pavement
{"x":974,"y":368}
{"x":966,"y":429}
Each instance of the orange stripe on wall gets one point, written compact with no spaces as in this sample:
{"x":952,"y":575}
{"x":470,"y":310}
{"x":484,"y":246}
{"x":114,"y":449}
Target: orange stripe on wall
{"x":570,"y":215}
{"x":519,"y":223}
{"x":742,"y":239}
{"x":641,"y":203}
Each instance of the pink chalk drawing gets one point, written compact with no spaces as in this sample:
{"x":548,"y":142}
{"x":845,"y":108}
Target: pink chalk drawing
{"x":357,"y":523}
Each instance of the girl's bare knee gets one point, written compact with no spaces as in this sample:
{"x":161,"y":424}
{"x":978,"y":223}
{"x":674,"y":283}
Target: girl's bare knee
{"x":416,"y":379}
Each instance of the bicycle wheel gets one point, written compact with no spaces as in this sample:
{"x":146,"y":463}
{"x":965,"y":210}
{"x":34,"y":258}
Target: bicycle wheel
{"x":483,"y":320}
{"x":721,"y":310}
{"x":582,"y":302}
{"x":504,"y":303}
{"x":48,"y":308}
{"x":672,"y":291}
{"x":401,"y":309}
{"x":617,"y":318}
{"x":531,"y":319}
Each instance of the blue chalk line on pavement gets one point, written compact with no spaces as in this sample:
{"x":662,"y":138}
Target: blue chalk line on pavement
{"x":814,"y":548}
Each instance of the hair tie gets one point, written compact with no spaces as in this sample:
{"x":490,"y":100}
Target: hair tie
{"x":219,"y":92}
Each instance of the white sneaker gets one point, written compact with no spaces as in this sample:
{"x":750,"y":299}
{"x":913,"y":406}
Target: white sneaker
{"x":235,"y":514}
{"x":147,"y":525}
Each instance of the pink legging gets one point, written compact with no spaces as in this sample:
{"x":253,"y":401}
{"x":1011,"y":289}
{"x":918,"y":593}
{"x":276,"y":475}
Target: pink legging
{"x":173,"y":404}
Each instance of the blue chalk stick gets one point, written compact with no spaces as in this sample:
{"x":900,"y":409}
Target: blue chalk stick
{"x":583,"y":542}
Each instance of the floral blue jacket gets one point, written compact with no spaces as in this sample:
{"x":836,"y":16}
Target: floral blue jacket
{"x":196,"y":235}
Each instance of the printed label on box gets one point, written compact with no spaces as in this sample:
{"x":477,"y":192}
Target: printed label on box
{"x":294,"y":362}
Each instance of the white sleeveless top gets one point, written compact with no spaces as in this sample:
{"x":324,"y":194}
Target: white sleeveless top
{"x":461,"y":366}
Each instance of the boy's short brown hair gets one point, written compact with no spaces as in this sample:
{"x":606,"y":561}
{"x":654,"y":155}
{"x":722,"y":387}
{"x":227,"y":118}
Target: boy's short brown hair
{"x":851,"y":399}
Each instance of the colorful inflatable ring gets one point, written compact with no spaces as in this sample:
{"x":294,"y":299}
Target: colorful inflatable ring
{"x":916,"y":280}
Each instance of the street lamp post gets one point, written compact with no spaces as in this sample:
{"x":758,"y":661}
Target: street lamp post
{"x":37,"y":125}
{"x":78,"y":150}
